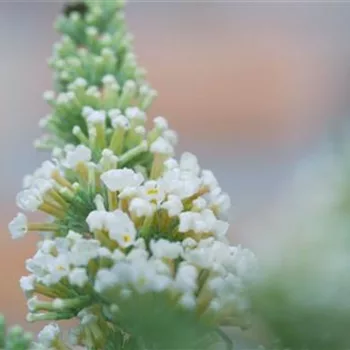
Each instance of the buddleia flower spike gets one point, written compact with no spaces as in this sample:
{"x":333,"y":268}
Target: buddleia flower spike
{"x":134,"y":245}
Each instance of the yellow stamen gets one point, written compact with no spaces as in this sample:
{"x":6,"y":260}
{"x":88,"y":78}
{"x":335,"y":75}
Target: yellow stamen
{"x":152,"y":191}
{"x":126,"y":238}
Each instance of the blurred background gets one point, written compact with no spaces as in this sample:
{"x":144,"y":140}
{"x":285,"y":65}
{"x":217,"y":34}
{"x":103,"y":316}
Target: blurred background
{"x":253,"y":88}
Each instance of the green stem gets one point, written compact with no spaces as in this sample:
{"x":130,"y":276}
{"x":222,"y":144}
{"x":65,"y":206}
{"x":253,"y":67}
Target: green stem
{"x":226,"y":339}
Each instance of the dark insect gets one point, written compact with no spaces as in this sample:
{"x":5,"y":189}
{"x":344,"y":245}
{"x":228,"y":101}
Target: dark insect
{"x":79,"y":7}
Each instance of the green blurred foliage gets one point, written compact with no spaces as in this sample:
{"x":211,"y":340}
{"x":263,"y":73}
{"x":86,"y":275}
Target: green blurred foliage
{"x":15,"y":338}
{"x":304,"y":294}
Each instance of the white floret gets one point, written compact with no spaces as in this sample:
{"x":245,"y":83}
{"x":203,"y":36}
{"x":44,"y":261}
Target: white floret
{"x":96,"y":220}
{"x":173,"y":205}
{"x":27,"y":283}
{"x":119,"y":120}
{"x":162,"y":146}
{"x":78,"y":277}
{"x":134,"y":113}
{"x":29,"y":199}
{"x":170,"y":136}
{"x":141,"y":207}
{"x":119,"y":179}
{"x":160,"y":123}
{"x":83,"y":251}
{"x":109,"y":79}
{"x":166,"y":249}
{"x":189,"y":162}
{"x":18,"y":227}
{"x":48,"y":335}
{"x":81,"y":154}
{"x":96,"y":117}
{"x":186,"y":278}
{"x":121,"y":228}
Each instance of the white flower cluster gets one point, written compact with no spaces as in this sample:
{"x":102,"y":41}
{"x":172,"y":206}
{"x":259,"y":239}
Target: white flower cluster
{"x":125,"y":218}
{"x":120,"y":230}
{"x":141,"y":271}
{"x":164,"y":235}
{"x":183,"y":193}
{"x":188,"y":198}
{"x":59,"y":258}
{"x":174,"y":268}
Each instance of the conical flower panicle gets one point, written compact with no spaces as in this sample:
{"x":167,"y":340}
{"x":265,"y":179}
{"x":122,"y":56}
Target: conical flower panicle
{"x":94,"y":66}
{"x":134,"y":244}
